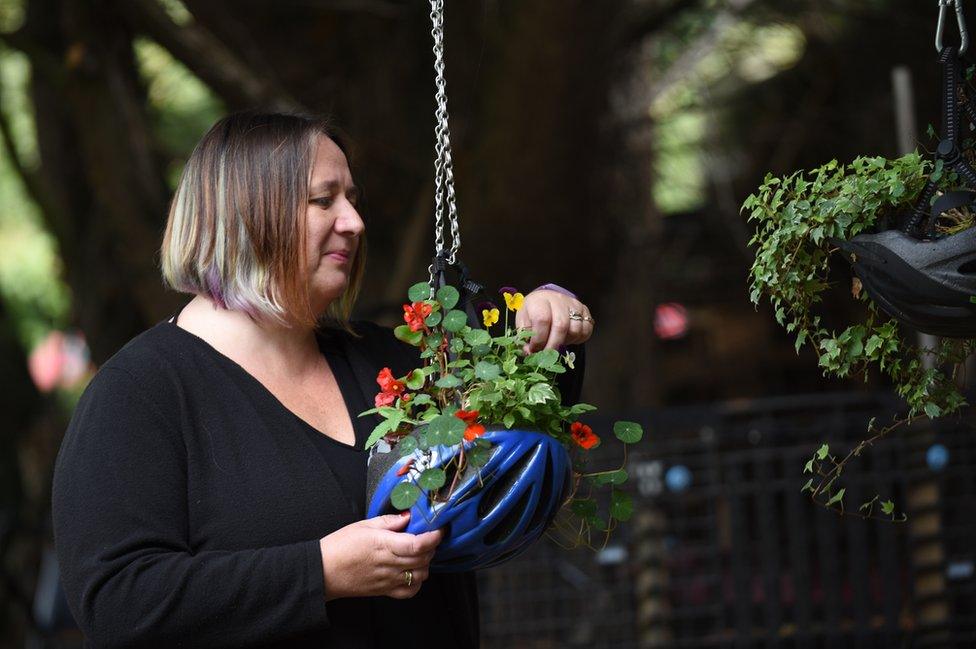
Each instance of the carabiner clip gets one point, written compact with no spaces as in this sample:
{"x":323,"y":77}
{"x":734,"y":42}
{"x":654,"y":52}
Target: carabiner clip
{"x":940,"y":28}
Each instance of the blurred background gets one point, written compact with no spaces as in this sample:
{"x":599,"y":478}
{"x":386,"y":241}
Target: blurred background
{"x":605,"y":146}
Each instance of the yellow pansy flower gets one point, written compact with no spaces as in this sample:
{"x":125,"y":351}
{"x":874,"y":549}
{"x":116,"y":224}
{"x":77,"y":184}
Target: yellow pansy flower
{"x":489,"y":316}
{"x":514,"y":302}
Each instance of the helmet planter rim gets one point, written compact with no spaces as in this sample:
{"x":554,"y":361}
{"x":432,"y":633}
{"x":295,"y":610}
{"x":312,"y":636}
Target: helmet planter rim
{"x":494,"y":511}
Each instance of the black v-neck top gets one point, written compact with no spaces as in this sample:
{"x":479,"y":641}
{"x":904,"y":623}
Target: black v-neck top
{"x":188,"y":505}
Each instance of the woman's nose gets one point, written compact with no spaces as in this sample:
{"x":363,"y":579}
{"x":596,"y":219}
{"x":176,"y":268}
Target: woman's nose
{"x":349,"y":221}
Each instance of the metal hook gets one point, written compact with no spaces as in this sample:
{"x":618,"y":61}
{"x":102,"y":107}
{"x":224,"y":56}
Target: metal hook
{"x":940,"y":28}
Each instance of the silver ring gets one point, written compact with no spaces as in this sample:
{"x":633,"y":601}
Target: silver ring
{"x":408,"y":577}
{"x":576,"y":315}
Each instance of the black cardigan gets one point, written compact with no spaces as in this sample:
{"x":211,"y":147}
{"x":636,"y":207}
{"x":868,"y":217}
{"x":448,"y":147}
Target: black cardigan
{"x":188,"y":505}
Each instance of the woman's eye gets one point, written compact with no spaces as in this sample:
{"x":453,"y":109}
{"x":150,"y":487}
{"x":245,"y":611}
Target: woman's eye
{"x":323,"y":202}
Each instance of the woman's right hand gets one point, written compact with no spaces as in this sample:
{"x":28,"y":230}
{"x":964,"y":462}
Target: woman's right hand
{"x":369,"y":558}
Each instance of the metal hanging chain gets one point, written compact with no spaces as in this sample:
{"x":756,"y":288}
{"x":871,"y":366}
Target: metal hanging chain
{"x":443,"y":165}
{"x":960,"y":21}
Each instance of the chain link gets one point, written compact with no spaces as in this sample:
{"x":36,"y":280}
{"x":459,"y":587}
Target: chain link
{"x":444,"y":197}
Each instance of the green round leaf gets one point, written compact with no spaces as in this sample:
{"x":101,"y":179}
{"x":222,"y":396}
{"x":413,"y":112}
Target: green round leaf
{"x":478,"y":456}
{"x":407,"y":445}
{"x":433,"y":319}
{"x":583,"y":508}
{"x":614,"y":477}
{"x":432,"y":479}
{"x":415,"y":380}
{"x":404,"y":495}
{"x":448,"y":381}
{"x":411,"y":337}
{"x":487,"y":371}
{"x":434,"y":340}
{"x":419,"y":292}
{"x":445,"y":429}
{"x":621,"y":506}
{"x":448,"y":296}
{"x":628,"y":432}
{"x":454,"y":320}
{"x":477,"y":337}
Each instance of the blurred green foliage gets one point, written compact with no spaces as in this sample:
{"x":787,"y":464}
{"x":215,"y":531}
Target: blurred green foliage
{"x":180,"y":107}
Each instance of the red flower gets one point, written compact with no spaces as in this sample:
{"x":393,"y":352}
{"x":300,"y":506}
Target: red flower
{"x":389,"y":386}
{"x":473,"y":431}
{"x":415,"y":314}
{"x":583,"y":435}
{"x":403,"y":470}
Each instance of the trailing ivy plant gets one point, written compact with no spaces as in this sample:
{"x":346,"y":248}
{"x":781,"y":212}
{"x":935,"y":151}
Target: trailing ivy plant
{"x":798,"y":218}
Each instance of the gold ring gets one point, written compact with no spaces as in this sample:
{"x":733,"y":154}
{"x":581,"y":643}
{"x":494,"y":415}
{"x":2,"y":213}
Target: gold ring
{"x":408,"y":577}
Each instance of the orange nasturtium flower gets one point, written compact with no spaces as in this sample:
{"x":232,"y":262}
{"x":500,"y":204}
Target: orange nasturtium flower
{"x":474,"y":429}
{"x":390,"y":388}
{"x":513,"y":301}
{"x":415,"y":314}
{"x":583,"y":435}
{"x":489,"y":316}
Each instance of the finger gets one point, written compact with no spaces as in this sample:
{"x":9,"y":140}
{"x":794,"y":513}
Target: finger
{"x":395,"y":522}
{"x":414,"y":545}
{"x":540,"y":322}
{"x":558,"y":331}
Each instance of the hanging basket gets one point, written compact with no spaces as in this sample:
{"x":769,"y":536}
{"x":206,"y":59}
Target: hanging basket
{"x":489,"y":514}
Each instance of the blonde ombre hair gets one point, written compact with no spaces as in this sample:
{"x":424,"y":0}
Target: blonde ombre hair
{"x":236,"y":228}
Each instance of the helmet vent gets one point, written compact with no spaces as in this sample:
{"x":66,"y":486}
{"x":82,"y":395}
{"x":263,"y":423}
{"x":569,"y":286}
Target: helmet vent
{"x":968,"y":268}
{"x":497,"y":491}
{"x":543,"y":505}
{"x":507,"y":525}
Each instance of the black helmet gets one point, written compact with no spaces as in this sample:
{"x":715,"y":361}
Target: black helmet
{"x":927,"y":284}
{"x":915,"y":273}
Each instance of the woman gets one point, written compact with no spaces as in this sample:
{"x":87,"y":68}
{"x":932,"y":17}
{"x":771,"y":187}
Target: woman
{"x":210,"y":487}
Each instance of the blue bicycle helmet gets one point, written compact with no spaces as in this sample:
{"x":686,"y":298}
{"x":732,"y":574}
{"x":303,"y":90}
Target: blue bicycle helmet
{"x":494,"y":512}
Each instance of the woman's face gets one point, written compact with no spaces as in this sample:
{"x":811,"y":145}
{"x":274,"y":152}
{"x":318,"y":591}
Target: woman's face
{"x":333,"y":224}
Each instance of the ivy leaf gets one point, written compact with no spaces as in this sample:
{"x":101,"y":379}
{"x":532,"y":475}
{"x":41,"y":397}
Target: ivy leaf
{"x":448,"y":297}
{"x":432,"y":479}
{"x":543,"y":359}
{"x":486,"y":371}
{"x":628,"y":432}
{"x":808,"y":486}
{"x":379,"y":431}
{"x":621,"y":505}
{"x":888,"y":507}
{"x":419,"y":292}
{"x":404,"y":495}
{"x":540,"y":393}
{"x":822,"y":452}
{"x":837,"y":497}
{"x":808,"y":467}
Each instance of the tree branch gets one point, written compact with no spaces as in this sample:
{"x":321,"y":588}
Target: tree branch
{"x":207,"y":57}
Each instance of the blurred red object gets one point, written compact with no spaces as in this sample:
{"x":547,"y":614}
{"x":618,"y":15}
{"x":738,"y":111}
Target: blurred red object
{"x":60,"y":360}
{"x":670,"y":321}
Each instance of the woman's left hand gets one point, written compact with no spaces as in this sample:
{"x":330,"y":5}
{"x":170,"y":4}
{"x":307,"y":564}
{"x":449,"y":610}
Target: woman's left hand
{"x":547,"y":313}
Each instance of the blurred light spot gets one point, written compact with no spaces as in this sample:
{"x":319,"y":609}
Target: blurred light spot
{"x":678,"y":478}
{"x":670,"y":321}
